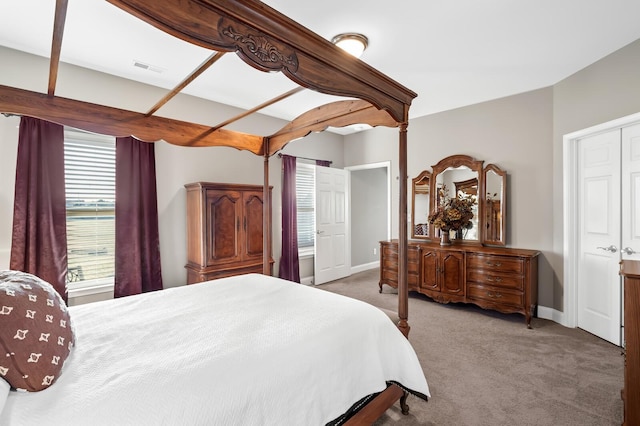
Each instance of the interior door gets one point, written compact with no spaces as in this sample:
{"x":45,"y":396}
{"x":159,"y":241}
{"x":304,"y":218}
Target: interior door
{"x":631,"y":192}
{"x":598,"y":281}
{"x":332,"y":258}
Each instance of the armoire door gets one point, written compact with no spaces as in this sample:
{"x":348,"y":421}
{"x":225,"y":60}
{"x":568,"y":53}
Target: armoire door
{"x":252,"y":222}
{"x":224,"y":214}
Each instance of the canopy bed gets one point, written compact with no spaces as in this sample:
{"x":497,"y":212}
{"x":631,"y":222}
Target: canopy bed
{"x":268,"y":41}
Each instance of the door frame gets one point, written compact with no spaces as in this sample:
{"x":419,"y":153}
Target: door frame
{"x":570,"y":183}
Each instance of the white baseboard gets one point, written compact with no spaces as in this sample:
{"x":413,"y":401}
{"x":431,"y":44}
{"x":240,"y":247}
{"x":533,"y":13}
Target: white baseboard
{"x":307,"y":280}
{"x":551,"y":314}
{"x":353,"y":270}
{"x":365,"y":267}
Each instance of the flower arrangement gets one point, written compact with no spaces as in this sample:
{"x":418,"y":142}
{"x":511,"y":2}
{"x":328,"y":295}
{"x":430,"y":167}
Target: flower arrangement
{"x":452,"y":213}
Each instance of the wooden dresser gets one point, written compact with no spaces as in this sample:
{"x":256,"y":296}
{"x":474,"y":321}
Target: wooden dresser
{"x":501,"y":279}
{"x":630,"y":271}
{"x":224,"y":230}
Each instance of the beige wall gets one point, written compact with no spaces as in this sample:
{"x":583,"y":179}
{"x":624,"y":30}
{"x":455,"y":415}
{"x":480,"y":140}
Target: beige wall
{"x":514,"y":133}
{"x":521,"y":133}
{"x":606,"y":90}
{"x":175,"y":165}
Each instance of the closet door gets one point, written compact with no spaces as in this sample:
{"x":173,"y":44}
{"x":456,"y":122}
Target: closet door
{"x":598,"y":282}
{"x":630,"y":245}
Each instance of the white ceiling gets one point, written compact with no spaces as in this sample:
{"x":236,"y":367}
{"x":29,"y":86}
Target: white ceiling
{"x":452,"y":53}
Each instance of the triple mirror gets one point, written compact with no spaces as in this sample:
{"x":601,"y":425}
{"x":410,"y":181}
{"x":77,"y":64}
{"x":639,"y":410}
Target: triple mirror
{"x":462,"y":175}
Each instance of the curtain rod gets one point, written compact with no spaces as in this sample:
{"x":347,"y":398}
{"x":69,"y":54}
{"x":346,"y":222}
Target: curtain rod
{"x":304,"y":158}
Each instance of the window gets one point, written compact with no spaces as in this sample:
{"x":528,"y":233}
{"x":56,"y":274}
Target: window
{"x":90,"y":185}
{"x":305,"y":200}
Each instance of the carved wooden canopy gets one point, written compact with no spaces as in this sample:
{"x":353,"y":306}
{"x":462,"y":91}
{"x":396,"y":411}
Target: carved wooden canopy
{"x":263,"y":38}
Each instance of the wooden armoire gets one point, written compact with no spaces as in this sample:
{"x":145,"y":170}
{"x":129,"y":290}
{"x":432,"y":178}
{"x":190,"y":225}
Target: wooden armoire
{"x":224,"y":230}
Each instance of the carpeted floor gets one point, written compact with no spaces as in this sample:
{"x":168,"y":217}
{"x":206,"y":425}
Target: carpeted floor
{"x":487,"y":368}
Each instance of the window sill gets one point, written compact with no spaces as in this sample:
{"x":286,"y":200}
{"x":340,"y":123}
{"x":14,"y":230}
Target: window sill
{"x":306,"y":253}
{"x":89,"y":287}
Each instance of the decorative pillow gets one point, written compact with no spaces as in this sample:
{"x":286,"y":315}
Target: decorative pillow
{"x":36,"y":334}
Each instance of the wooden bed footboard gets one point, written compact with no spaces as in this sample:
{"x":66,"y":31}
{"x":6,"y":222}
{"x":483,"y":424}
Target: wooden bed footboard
{"x":377,"y":406}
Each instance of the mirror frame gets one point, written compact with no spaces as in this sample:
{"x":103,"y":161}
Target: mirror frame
{"x":455,"y":161}
{"x":503,"y":205}
{"x":425,"y":174}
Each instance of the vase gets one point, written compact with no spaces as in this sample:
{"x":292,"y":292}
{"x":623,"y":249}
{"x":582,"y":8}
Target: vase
{"x":444,"y":238}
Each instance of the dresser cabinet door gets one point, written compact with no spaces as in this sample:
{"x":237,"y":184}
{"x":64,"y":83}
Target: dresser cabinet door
{"x":451,"y":266}
{"x":430,"y":275}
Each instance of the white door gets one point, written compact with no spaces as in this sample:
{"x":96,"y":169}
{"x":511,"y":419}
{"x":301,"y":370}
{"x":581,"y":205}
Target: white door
{"x":631,"y":192}
{"x":332,"y":258}
{"x":598,"y":281}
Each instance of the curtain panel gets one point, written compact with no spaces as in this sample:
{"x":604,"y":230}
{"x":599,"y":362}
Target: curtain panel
{"x":289,"y":262}
{"x":39,"y":236}
{"x":137,"y":236}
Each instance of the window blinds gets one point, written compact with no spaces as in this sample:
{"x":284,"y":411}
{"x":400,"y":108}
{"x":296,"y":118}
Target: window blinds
{"x":305,"y":198}
{"x":90,"y":179}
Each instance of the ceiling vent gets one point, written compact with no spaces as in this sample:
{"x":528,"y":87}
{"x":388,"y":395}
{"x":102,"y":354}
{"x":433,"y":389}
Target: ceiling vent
{"x":148,"y":67}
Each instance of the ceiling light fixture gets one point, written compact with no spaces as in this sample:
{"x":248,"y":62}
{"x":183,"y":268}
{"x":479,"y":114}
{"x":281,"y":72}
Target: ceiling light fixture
{"x":352,"y":43}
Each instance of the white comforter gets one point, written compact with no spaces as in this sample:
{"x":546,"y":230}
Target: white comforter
{"x":246,"y":350}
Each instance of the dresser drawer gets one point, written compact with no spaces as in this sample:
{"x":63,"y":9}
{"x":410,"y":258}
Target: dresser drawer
{"x":498,"y":279}
{"x":495,"y":294}
{"x":389,"y":265}
{"x":495,"y":263}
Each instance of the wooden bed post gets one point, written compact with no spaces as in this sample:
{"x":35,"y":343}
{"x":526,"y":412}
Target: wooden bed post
{"x":403,"y":291}
{"x":266,"y":217}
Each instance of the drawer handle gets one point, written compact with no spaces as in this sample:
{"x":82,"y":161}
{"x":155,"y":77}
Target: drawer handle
{"x":494,"y":279}
{"x":496,"y":264}
{"x":495,"y":295}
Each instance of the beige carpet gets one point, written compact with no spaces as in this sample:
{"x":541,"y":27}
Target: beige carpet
{"x":487,"y":368}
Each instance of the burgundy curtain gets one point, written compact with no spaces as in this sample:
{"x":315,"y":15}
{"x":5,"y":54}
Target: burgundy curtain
{"x":39,"y":239}
{"x":323,"y":163}
{"x":289,"y":262}
{"x":137,"y":237}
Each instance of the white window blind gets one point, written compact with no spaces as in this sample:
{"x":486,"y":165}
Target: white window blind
{"x":305,"y":198}
{"x":90,"y":184}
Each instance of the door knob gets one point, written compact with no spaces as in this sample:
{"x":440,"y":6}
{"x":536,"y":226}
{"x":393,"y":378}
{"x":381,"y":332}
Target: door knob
{"x":628,"y":250}
{"x":319,"y":232}
{"x":611,"y":248}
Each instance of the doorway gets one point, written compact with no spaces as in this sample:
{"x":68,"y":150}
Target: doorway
{"x":370,"y":213}
{"x":601,"y":222}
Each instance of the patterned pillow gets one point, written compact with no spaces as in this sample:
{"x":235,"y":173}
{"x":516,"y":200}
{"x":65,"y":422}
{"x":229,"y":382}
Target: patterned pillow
{"x":35,"y":333}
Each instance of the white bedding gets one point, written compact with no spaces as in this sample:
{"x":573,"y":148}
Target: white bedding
{"x":250,"y":350}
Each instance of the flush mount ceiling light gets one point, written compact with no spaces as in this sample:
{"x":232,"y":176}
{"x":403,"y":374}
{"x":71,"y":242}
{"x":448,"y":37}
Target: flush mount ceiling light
{"x":352,"y":43}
